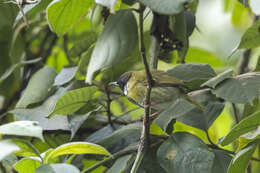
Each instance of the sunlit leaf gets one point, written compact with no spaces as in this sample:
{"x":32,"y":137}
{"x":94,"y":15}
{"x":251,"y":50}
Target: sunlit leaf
{"x":78,"y":148}
{"x":116,"y":42}
{"x":27,"y":165}
{"x":22,"y":128}
{"x":251,"y":38}
{"x":64,"y":14}
{"x":241,"y":160}
{"x":246,"y":125}
{"x":73,"y":100}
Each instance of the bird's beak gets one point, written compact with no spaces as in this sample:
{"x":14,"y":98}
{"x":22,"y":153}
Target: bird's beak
{"x":113,"y":83}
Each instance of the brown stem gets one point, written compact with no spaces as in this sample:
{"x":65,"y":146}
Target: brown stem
{"x":144,"y":141}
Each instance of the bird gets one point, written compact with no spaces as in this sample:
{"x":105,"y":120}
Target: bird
{"x":165,"y":88}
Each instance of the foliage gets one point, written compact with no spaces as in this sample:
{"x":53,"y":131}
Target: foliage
{"x":59,"y":112}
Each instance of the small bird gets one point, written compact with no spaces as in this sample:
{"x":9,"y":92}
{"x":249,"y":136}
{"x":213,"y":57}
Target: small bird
{"x":165,"y":89}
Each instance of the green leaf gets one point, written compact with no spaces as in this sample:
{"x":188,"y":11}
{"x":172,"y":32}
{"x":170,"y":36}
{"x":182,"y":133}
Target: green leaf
{"x":121,"y":164}
{"x":78,"y":148}
{"x":119,"y":139}
{"x":38,"y":87}
{"x":213,"y":109}
{"x":107,"y":3}
{"x":66,"y":75}
{"x":240,"y":89}
{"x":190,"y":21}
{"x":251,"y":38}
{"x":57,"y":168}
{"x":8,"y":147}
{"x":241,"y":160}
{"x":22,"y":128}
{"x":167,"y":7}
{"x":246,"y":125}
{"x":180,"y":29}
{"x":213,"y":82}
{"x":81,"y":46}
{"x":175,"y":110}
{"x":116,"y":42}
{"x":192,"y":71}
{"x":257,"y":68}
{"x":39,"y":114}
{"x":27,"y":165}
{"x":63,"y":15}
{"x":73,"y":100}
{"x":185,"y":153}
{"x":255,"y":6}
{"x":221,"y":161}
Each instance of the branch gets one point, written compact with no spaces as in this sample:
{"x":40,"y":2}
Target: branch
{"x":243,"y":66}
{"x":144,"y":141}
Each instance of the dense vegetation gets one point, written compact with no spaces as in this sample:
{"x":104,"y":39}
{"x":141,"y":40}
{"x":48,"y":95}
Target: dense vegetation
{"x":59,"y":114}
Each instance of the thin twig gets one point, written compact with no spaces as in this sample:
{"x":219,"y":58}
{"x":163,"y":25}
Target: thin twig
{"x":144,"y":140}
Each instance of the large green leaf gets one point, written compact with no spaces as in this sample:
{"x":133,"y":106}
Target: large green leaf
{"x":251,"y":38}
{"x":240,"y":89}
{"x":66,"y":75}
{"x":167,"y":7}
{"x":27,"y":165}
{"x":221,"y":161}
{"x":121,"y":164}
{"x":78,"y":148}
{"x":64,"y":14}
{"x":38,"y":88}
{"x":213,"y":82}
{"x":39,"y":114}
{"x":246,"y":125}
{"x":240,"y":161}
{"x":203,"y":119}
{"x":57,"y":168}
{"x":192,"y":71}
{"x":116,"y":42}
{"x":185,"y":153}
{"x":73,"y":100}
{"x":22,"y":128}
{"x":8,"y":147}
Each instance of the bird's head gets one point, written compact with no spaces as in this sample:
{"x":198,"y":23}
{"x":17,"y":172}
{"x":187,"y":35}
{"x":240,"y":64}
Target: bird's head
{"x":122,"y":82}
